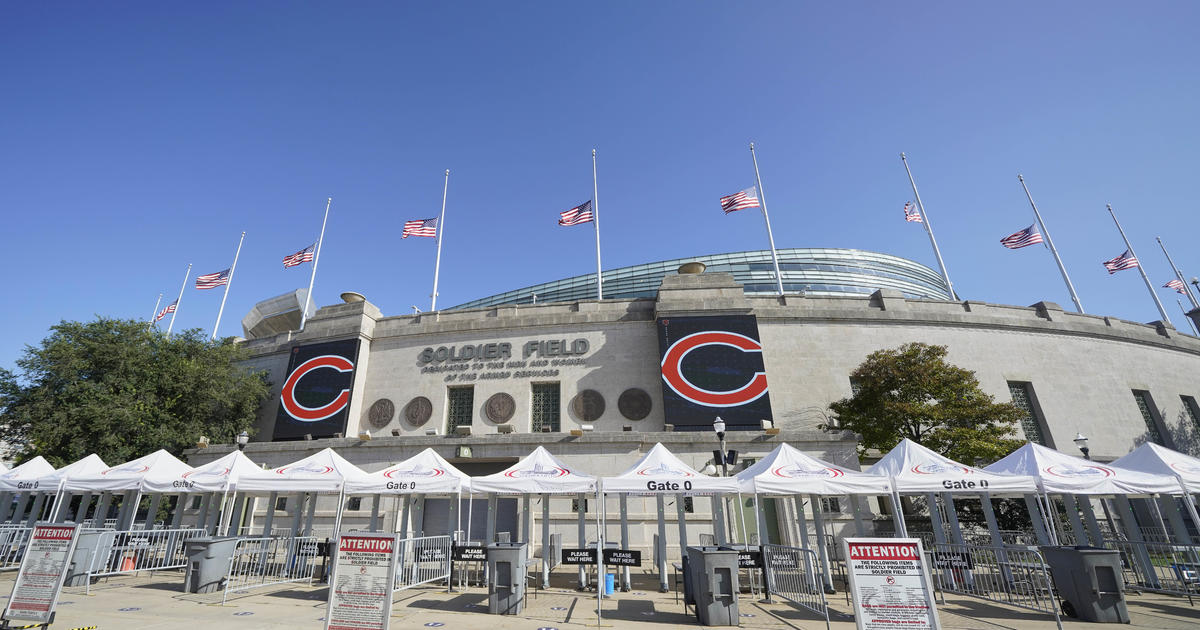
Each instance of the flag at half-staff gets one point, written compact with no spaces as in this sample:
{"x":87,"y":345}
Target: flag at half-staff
{"x":579,"y":214}
{"x":300,"y":257}
{"x":740,"y":200}
{"x":1176,"y":284}
{"x":588,"y":212}
{"x":420,"y":227}
{"x":1024,"y":238}
{"x":221,"y":278}
{"x":170,"y":308}
{"x":212,"y":280}
{"x":923,"y":218}
{"x":755,"y":197}
{"x":1121,"y":263}
{"x":911,"y":213}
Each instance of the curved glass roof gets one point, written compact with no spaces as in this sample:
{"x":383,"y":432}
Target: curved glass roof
{"x":813,"y":271}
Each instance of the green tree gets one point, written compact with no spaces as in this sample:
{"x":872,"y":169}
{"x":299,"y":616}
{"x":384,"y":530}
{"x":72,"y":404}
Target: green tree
{"x":120,"y":390}
{"x":912,"y":392}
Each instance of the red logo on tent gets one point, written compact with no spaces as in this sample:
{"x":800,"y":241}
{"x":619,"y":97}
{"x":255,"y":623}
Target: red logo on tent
{"x":672,"y":370}
{"x":207,"y":473}
{"x":538,"y":471}
{"x":313,"y":414}
{"x":934,"y":468}
{"x":135,"y":469}
{"x":1186,"y":467}
{"x":416,"y":471}
{"x":793,"y":472}
{"x":315,"y":469}
{"x":1079,"y":471}
{"x":663,"y":470}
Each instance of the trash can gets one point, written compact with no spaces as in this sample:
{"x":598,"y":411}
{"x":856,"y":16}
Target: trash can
{"x":86,"y":548}
{"x":506,"y":588}
{"x":714,"y":577}
{"x":207,"y":563}
{"x":1089,"y":581}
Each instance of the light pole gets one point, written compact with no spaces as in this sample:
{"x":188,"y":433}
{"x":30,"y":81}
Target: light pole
{"x":242,"y":439}
{"x":719,"y":427}
{"x":1081,"y":441}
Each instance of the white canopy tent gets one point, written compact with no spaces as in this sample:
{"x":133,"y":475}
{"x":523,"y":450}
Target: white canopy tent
{"x":130,"y":479}
{"x":543,"y":474}
{"x":413,"y":479}
{"x":659,"y":473}
{"x":321,"y":472}
{"x":915,"y":469}
{"x":1160,"y":460}
{"x":214,"y":480}
{"x":22,"y":479}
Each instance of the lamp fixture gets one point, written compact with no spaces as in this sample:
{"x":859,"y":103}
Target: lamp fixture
{"x":504,"y":428}
{"x":243,"y":438}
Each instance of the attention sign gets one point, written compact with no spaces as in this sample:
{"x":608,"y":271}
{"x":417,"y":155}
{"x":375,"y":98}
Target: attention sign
{"x":43,"y":569}
{"x":360,"y":591}
{"x":889,"y":584}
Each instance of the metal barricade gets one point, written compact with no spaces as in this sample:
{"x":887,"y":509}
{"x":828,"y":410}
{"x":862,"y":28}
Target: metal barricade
{"x":1016,"y":576}
{"x":121,"y":552}
{"x":12,"y":545}
{"x":1159,"y":567}
{"x":792,"y":575}
{"x":266,"y":561}
{"x":422,"y":560}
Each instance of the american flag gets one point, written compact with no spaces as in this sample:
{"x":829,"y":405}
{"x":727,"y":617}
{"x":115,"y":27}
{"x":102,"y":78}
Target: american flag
{"x":1024,"y":238}
{"x":300,"y":257}
{"x":911,"y":213}
{"x":212,"y":280}
{"x":579,"y":214}
{"x":740,"y":200}
{"x":1177,"y":285}
{"x":420,"y":227}
{"x":1120,"y":263}
{"x":170,"y":308}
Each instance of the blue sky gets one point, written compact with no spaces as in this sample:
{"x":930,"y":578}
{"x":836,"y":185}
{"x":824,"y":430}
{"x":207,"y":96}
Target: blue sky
{"x":139,"y":137}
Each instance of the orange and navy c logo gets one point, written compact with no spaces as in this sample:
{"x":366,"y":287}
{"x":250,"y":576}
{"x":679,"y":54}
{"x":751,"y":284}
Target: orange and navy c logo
{"x":672,"y":370}
{"x":313,"y":414}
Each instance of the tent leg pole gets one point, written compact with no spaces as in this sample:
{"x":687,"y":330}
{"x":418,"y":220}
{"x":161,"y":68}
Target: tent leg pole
{"x":1089,"y":517}
{"x":374,"y":526}
{"x":822,"y":548}
{"x":660,"y":545}
{"x":626,"y":581}
{"x":582,"y":533}
{"x":547,"y":559}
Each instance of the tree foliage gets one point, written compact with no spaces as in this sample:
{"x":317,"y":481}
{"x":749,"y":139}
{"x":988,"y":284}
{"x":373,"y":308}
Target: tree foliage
{"x":120,"y":390}
{"x":912,"y":392}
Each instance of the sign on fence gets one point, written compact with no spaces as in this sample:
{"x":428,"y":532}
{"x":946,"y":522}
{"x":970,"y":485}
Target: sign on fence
{"x":434,"y":554}
{"x":889,"y":585}
{"x":750,"y":560}
{"x":468,"y":553}
{"x":784,"y":558}
{"x":952,"y":560}
{"x":622,"y":558}
{"x":42,"y":572}
{"x":360,"y":592}
{"x":578,"y":556}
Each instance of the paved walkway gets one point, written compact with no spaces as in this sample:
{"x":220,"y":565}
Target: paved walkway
{"x":149,"y":602}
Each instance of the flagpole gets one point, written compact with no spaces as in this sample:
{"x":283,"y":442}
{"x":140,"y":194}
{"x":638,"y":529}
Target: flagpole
{"x":1178,"y":274}
{"x":762,"y":199}
{"x":316,"y":258}
{"x":596,"y":222}
{"x":441,"y":227}
{"x":155,"y":313}
{"x":228,"y":283}
{"x":1189,"y":319}
{"x":929,"y":228}
{"x":1141,"y":269}
{"x":1050,"y":242}
{"x":183,"y":286}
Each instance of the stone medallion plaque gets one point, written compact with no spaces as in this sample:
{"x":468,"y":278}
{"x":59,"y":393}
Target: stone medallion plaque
{"x":500,"y":408}
{"x":634,"y":403}
{"x":381,"y":412}
{"x":588,"y":405}
{"x":418,"y":410}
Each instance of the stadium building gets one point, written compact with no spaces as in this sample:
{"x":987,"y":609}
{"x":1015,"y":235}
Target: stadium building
{"x":673,"y":345}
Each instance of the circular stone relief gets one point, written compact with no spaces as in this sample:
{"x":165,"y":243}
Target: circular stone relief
{"x":418,"y":410}
{"x":380,"y":413}
{"x":500,"y":408}
{"x":588,"y":405}
{"x":634,"y":403}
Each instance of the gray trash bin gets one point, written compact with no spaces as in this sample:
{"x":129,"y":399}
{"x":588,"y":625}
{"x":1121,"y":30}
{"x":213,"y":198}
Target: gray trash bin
{"x":85,"y":551}
{"x":714,"y":578}
{"x":506,"y":588}
{"x":207,"y":563}
{"x":1089,"y":581}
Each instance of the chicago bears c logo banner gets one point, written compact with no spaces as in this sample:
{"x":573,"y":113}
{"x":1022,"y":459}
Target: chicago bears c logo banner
{"x":315,"y":397}
{"x":713,"y":366}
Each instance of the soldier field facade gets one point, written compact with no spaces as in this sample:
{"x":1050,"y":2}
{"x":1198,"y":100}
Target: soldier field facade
{"x":599,"y":382}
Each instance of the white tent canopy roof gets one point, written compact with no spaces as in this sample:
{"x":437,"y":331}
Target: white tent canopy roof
{"x":1160,"y":460}
{"x":1059,"y":473}
{"x":131,"y":475}
{"x":324,"y":471}
{"x":536,"y":473}
{"x":89,"y":465}
{"x":215,"y":476}
{"x":27,"y":475}
{"x":916,"y":469}
{"x":423,"y":473}
{"x":659,"y":471}
{"x":786,"y":470}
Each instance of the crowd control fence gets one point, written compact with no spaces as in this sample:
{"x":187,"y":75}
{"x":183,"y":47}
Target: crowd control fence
{"x":1160,"y":567}
{"x":1014,"y":576}
{"x":791,"y":574}
{"x":266,"y":561}
{"x":422,"y":560}
{"x":120,"y":552}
